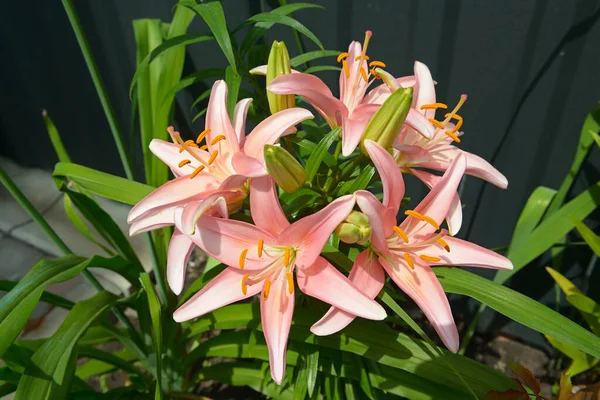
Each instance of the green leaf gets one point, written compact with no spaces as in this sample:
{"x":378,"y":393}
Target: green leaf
{"x":519,"y":308}
{"x":103,"y":184}
{"x":595,"y":136}
{"x":212,"y":13}
{"x":312,"y":366}
{"x":79,"y":224}
{"x":588,"y":308}
{"x":315,"y":159}
{"x":102,"y":362}
{"x":359,"y":183}
{"x":312,"y":55}
{"x":46,"y":297}
{"x":532,"y":213}
{"x":289,"y":21}
{"x":581,"y":362}
{"x":233,"y":81}
{"x":321,"y":68}
{"x":196,"y":77}
{"x":54,"y":363}
{"x":155,"y":315}
{"x":57,"y":143}
{"x":310,"y":147}
{"x":566,"y":285}
{"x":588,"y":235}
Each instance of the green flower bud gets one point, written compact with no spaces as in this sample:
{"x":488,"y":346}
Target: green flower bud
{"x":387,"y":121}
{"x":279,"y":64}
{"x":354,"y":229}
{"x":283,"y":167}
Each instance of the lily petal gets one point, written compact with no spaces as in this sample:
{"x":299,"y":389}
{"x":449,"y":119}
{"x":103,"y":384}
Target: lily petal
{"x":222,"y":290}
{"x":424,"y":89}
{"x":174,"y":192}
{"x":354,"y":127}
{"x":169,"y":154}
{"x":324,"y":282}
{"x":380,"y":219}
{"x":382,"y":92}
{"x":179,"y":252}
{"x":311,"y":233}
{"x":419,"y":123}
{"x":192,"y":211}
{"x":276,"y":317}
{"x":248,"y":166}
{"x":314,"y":91}
{"x":367,"y":275}
{"x":265,"y":207}
{"x":217,"y":120}
{"x":466,"y":254}
{"x":262,"y":70}
{"x":160,"y":219}
{"x":391,"y":177}
{"x":423,"y":287}
{"x":239,"y":119}
{"x":271,"y":129}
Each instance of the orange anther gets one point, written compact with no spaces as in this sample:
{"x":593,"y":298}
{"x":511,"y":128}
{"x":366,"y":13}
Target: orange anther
{"x":202,"y":135}
{"x":213,"y":155}
{"x":363,"y":73}
{"x":183,"y":162}
{"x":346,"y":69}
{"x":436,"y":123}
{"x":290,"y":281}
{"x":459,"y":122}
{"x":243,"y":258}
{"x":266,"y":288}
{"x":204,"y":147}
{"x":342,"y":56}
{"x":261,"y":243}
{"x":429,"y":258}
{"x":380,"y":64}
{"x":418,"y":215}
{"x":190,"y":143}
{"x":401,"y":233}
{"x":217,"y":139}
{"x":374,"y":73}
{"x":366,"y":58}
{"x":196,"y":171}
{"x":409,"y":260}
{"x":433,"y":106}
{"x":444,"y":244}
{"x":244,"y":285}
{"x":286,"y":257}
{"x":452,"y":136}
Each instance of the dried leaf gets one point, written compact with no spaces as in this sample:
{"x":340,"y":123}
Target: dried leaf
{"x":527,"y":376}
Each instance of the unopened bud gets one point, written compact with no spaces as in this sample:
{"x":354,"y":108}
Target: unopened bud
{"x":354,"y":229}
{"x":279,"y":64}
{"x":387,"y":121}
{"x":283,"y":167}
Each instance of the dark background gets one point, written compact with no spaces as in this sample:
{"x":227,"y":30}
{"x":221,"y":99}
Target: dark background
{"x":531,"y":70}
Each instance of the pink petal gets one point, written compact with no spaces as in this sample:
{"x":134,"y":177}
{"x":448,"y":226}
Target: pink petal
{"x":180,"y":249}
{"x":226,"y":239}
{"x":366,"y":275}
{"x":264,"y":206}
{"x":480,"y":168}
{"x":262,"y":70}
{"x":353,"y":88}
{"x":423,"y":287}
{"x":160,"y":219}
{"x":248,"y":166}
{"x":224,"y":289}
{"x":382,"y":92}
{"x":391,"y":177}
{"x":436,"y":204}
{"x":174,"y":192}
{"x":234,"y":182}
{"x":381,"y":219}
{"x":454,"y":219}
{"x":276,"y":316}
{"x":466,"y":254}
{"x":214,"y":204}
{"x":314,"y":91}
{"x":239,"y":119}
{"x":271,"y":129}
{"x":419,"y":123}
{"x":169,"y":154}
{"x":217,"y":120}
{"x":354,"y":127}
{"x":311,"y":233}
{"x":324,"y":282}
{"x":424,"y":89}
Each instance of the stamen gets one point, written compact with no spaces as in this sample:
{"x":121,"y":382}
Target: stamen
{"x":196,"y":171}
{"x":184,"y":146}
{"x":191,"y":143}
{"x":452,"y":136}
{"x":433,"y":106}
{"x":243,"y":258}
{"x":202,"y":135}
{"x":444,"y":244}
{"x":342,"y":56}
{"x":431,"y":222}
{"x":286,"y":257}
{"x":171,"y":132}
{"x":418,"y":215}
{"x":401,"y":233}
{"x":450,"y":115}
{"x":458,"y":124}
{"x":204,"y":147}
{"x":290,"y":281}
{"x":346,"y":69}
{"x":429,"y":258}
{"x":244,"y":285}
{"x":409,"y":260}
{"x":368,"y":35}
{"x":261,"y":243}
{"x":374,"y":73}
{"x":267,"y":288}
{"x":363,"y":73}
{"x":377,"y":64}
{"x":436,"y":123}
{"x":367,"y":58}
{"x":183,"y":162}
{"x":213,"y":156}
{"x":217,"y":139}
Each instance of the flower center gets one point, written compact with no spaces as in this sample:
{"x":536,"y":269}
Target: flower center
{"x":441,"y":125}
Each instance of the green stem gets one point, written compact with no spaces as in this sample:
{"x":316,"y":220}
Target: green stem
{"x":100,"y":89}
{"x":160,"y":280}
{"x":41,"y":221}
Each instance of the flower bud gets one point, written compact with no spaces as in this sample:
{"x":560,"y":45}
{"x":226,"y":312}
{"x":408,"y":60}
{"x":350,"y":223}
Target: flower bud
{"x":387,"y":121}
{"x":354,"y":229}
{"x":283,"y":167}
{"x":279,"y":64}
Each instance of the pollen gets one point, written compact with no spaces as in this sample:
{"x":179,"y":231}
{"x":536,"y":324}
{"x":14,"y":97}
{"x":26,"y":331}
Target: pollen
{"x":286,"y":257}
{"x":444,"y":244}
{"x":433,"y":106}
{"x":202,"y":135}
{"x":401,"y":233}
{"x":366,"y":58}
{"x":183,"y":162}
{"x":376,"y":63}
{"x":429,"y":258}
{"x":204,"y":147}
{"x":342,"y":56}
{"x":244,"y":285}
{"x":217,"y":139}
{"x":290,"y":282}
{"x":363,"y":73}
{"x":267,"y":288}
{"x":409,"y":260}
{"x":452,"y":136}
{"x":346,"y":69}
{"x":213,"y":156}
{"x":261,"y":244}
{"x":436,"y":123}
{"x":243,"y":258}
{"x":418,"y":215}
{"x":191,"y":143}
{"x":196,"y":171}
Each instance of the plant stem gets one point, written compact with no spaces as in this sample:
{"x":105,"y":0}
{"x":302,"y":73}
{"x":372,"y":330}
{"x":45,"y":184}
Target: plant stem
{"x":41,"y":221}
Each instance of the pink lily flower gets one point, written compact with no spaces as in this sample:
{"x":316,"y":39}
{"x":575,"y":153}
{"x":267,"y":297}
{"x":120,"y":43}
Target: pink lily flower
{"x":264,"y":257}
{"x":408,"y":251}
{"x":355,"y":107}
{"x":206,"y":180}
